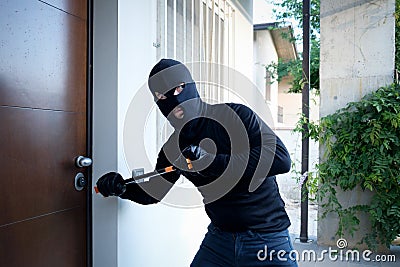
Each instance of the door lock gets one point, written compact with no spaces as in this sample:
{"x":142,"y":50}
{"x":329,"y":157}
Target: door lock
{"x":80,"y":181}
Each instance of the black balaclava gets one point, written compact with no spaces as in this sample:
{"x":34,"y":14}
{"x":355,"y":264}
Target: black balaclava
{"x":165,"y":76}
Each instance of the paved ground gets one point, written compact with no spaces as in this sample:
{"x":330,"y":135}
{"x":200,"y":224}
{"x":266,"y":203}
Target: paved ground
{"x":321,"y":258}
{"x":290,"y":191}
{"x":293,"y":211}
{"x":380,"y":260}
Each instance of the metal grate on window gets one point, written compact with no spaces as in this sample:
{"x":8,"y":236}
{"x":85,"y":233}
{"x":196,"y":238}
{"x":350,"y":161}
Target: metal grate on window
{"x":197,"y":31}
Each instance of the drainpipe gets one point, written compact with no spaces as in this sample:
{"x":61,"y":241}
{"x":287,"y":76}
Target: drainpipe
{"x":306,"y":113}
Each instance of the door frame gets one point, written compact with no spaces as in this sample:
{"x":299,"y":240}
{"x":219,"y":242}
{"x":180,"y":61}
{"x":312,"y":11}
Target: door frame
{"x":89,"y":134}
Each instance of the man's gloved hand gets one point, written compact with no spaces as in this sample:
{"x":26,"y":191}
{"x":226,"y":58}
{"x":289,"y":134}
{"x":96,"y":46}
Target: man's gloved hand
{"x":200,"y":158}
{"x":111,"y":184}
{"x":194,"y":152}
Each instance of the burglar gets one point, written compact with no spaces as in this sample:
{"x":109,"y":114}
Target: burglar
{"x":234,"y":159}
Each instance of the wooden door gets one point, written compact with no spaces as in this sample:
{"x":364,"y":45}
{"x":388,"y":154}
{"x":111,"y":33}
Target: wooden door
{"x":43,"y":89}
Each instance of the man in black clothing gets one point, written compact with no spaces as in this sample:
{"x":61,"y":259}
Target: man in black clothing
{"x":235,"y":158}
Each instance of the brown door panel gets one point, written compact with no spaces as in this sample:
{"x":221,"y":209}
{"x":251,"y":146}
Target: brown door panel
{"x":43,"y":90}
{"x":73,"y":7}
{"x":42,"y":56}
{"x":37,"y":173}
{"x":48,"y":240}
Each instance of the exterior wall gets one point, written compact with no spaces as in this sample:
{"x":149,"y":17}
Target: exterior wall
{"x":353,"y":62}
{"x":291,"y":103}
{"x":243,"y":45}
{"x":126,"y":233}
{"x":357,"y":57}
{"x":288,"y":184}
{"x":105,"y":128}
{"x":241,"y":58}
{"x":265,"y":53}
{"x":152,"y":235}
{"x":263,"y":11}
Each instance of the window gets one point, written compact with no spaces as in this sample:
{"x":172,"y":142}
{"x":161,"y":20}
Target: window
{"x":280,"y":114}
{"x":268,"y":82}
{"x":197,"y":31}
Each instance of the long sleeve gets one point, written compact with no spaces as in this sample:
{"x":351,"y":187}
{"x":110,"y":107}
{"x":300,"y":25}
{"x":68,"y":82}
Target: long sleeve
{"x":240,"y":190}
{"x":265,"y":155}
{"x":154,"y":190}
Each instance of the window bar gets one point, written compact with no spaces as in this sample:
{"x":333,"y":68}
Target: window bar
{"x":233,"y":38}
{"x":223,"y":57}
{"x":174,"y":12}
{"x":159,"y":120}
{"x":232,"y":41}
{"x":184,"y":30}
{"x":193,"y":59}
{"x":219,"y":52}
{"x":207,"y":38}
{"x":202,"y":47}
{"x":212,"y":32}
{"x":213,"y":48}
{"x":228,"y":45}
{"x":159,"y":28}
{"x":229,"y":35}
{"x":165,"y":27}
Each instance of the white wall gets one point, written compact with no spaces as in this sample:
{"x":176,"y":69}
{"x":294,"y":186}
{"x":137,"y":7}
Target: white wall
{"x":291,"y":103}
{"x":240,"y":60}
{"x":105,"y":129}
{"x":264,"y":54}
{"x":153,"y":235}
{"x":357,"y":57}
{"x":262,"y":11}
{"x":126,"y":233}
{"x":244,"y":83}
{"x":243,"y":45}
{"x":358,"y":52}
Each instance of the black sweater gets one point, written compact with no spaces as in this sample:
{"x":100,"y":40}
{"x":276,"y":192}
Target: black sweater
{"x":239,"y":187}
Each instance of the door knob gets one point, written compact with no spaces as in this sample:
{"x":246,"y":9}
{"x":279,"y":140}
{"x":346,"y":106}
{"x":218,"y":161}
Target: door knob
{"x":82,"y":161}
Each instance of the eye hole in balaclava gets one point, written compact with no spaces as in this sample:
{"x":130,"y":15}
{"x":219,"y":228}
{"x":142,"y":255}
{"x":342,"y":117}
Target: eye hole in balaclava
{"x":172,"y":92}
{"x":164,"y":78}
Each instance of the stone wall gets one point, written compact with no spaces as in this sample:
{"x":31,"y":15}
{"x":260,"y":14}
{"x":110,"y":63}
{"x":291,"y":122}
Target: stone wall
{"x":357,"y":57}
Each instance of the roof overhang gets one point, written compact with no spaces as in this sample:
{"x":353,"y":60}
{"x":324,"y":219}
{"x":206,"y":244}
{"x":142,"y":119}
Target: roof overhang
{"x":285,"y":48}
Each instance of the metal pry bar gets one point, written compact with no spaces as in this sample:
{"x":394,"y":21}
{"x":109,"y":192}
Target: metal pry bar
{"x":147,"y":176}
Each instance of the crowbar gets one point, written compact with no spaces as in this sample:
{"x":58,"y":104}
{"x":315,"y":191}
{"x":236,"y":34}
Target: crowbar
{"x":147,"y":176}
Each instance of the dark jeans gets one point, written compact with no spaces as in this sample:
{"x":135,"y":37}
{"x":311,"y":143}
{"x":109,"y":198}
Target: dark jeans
{"x":242,"y":249}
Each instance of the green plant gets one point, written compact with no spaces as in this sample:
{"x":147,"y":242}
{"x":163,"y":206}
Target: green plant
{"x":294,"y":69}
{"x":361,"y":141}
{"x":293,"y":9}
{"x":362,"y":148}
{"x":397,"y":35}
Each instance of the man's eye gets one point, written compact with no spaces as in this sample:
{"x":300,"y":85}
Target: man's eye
{"x":179,"y":89}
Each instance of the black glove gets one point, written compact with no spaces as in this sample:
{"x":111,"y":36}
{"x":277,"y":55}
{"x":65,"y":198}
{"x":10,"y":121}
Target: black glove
{"x":200,"y":158}
{"x":111,"y":184}
{"x":194,"y":152}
